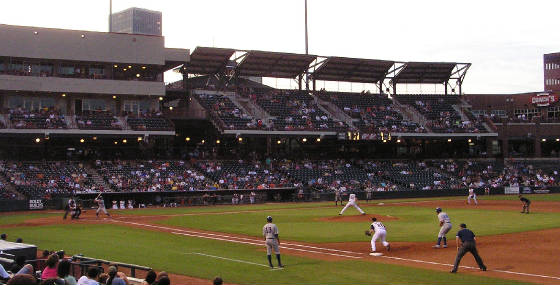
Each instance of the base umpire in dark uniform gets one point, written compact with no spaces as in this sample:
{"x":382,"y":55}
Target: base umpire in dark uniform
{"x":466,"y":243}
{"x":526,"y":203}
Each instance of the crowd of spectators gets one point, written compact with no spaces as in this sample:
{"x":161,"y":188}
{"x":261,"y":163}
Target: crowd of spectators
{"x":54,"y":268}
{"x":41,"y":119}
{"x":98,"y":120}
{"x":142,"y":176}
{"x":149,"y":121}
{"x":230,"y":116}
{"x":47,"y":179}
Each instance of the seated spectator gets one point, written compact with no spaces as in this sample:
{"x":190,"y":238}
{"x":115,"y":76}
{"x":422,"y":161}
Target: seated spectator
{"x":102,"y":278}
{"x":23,"y":279}
{"x":150,"y":278}
{"x":63,"y":272}
{"x":116,"y":277}
{"x":26,"y":269}
{"x":3,"y":274}
{"x":50,"y":271}
{"x":164,"y":281}
{"x":90,"y":277}
{"x":18,"y":264}
{"x":218,"y":281}
{"x":3,"y":236}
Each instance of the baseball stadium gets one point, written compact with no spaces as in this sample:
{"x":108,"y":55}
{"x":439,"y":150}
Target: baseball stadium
{"x":124,"y":161}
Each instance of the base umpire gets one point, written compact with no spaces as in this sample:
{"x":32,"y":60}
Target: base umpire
{"x":466,"y":243}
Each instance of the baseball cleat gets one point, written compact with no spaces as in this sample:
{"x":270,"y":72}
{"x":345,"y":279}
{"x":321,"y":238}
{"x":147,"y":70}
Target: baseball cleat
{"x":365,"y":213}
{"x":444,"y":246}
{"x":389,"y":247}
{"x":436,"y":246}
{"x":453,"y":271}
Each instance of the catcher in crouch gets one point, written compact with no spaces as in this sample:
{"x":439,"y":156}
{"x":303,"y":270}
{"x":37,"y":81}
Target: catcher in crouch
{"x":379,"y":232}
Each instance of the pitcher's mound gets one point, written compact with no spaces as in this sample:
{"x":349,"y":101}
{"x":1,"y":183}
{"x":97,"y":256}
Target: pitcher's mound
{"x":356,"y":218}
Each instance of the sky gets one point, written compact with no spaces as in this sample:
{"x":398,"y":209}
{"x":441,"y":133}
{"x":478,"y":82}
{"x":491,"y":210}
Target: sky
{"x":504,"y":40}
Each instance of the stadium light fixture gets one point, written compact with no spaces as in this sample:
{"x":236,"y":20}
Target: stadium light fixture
{"x":318,"y":139}
{"x":203,"y":141}
{"x":470,"y":140}
{"x":139,"y":139}
{"x":124,"y":141}
{"x":240,"y":139}
{"x":35,"y":33}
{"x":384,"y":141}
{"x":161,"y":98}
{"x":115,"y":66}
{"x":448,"y":140}
{"x":143,"y":67}
{"x":124,"y":69}
{"x":137,"y":75}
{"x":398,"y":140}
{"x":170,"y":108}
{"x":37,"y":140}
{"x":218,"y":141}
{"x":94,"y":138}
{"x":83,"y":36}
{"x":114,"y":97}
{"x":187,"y":139}
{"x":82,"y":140}
{"x":558,"y":140}
{"x":304,"y":140}
{"x":63,"y":94}
{"x":116,"y":142}
{"x":279,"y":142}
{"x":130,"y":66}
{"x":543,"y":140}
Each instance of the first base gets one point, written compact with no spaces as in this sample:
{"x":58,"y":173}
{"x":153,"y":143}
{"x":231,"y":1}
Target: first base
{"x":381,"y":204}
{"x":376,"y":254}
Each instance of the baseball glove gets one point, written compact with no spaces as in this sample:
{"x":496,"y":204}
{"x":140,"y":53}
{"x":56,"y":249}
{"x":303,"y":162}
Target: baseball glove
{"x":368,"y":233}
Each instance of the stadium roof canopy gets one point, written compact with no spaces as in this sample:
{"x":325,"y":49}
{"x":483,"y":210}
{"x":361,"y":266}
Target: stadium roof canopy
{"x":352,"y":70}
{"x":273,"y":64}
{"x":425,"y":72}
{"x":207,"y":60}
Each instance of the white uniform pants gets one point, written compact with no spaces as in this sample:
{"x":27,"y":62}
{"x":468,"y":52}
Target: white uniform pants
{"x":101,"y":209}
{"x":472,"y":197}
{"x":380,"y":234}
{"x":351,"y":204}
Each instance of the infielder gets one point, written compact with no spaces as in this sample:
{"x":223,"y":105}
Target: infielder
{"x":352,"y":201}
{"x":272,"y":241}
{"x":379,"y":232}
{"x":526,"y":203}
{"x":472,"y":195}
{"x":100,"y":206}
{"x":445,"y":227}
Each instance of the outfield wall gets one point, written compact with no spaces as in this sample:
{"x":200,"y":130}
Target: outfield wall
{"x":224,"y":197}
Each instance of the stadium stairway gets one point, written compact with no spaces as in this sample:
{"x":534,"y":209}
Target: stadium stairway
{"x":334,"y":112}
{"x":97,"y":179}
{"x":412,"y":115}
{"x":253,"y":110}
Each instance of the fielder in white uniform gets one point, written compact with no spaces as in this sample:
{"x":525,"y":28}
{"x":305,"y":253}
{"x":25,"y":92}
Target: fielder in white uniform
{"x":100,"y":206}
{"x":445,"y":227}
{"x":472,"y":195}
{"x":379,"y":232}
{"x":272,"y":241}
{"x":352,"y":201}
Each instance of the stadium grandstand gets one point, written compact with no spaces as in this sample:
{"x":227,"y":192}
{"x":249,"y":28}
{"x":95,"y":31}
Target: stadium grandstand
{"x":81,"y":120}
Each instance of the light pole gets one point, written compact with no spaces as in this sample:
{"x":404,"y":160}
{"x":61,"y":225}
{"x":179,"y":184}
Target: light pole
{"x":306,"y":50}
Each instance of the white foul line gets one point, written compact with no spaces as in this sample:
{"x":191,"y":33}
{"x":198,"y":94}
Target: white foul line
{"x":470,"y":267}
{"x":225,"y":258}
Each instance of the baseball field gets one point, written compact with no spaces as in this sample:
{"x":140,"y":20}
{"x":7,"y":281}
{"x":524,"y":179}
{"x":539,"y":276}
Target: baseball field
{"x":318,"y":246}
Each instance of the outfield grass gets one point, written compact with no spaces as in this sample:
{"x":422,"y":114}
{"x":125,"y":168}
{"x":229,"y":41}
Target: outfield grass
{"x":172,"y":253}
{"x":413,"y":224}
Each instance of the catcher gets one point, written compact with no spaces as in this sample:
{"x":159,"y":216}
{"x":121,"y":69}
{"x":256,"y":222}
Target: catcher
{"x":379,"y":232}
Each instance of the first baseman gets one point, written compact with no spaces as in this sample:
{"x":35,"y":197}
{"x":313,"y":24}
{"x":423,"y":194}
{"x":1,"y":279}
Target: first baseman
{"x":272,"y":241}
{"x":379,"y":232}
{"x":445,"y":227}
{"x":352,"y":201}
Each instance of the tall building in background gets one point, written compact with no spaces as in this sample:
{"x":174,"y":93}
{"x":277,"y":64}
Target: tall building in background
{"x":137,"y":21}
{"x":552,"y":72}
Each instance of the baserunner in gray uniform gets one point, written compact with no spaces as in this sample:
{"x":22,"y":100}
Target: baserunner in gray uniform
{"x":445,"y":227}
{"x":270,"y":233}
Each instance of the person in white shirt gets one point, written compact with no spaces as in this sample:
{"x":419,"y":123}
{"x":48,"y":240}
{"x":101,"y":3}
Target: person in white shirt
{"x":379,"y":232}
{"x":352,"y":201}
{"x":90,"y":278}
{"x":472,"y":195}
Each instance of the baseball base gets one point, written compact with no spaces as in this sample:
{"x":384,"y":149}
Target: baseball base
{"x":376,"y":254}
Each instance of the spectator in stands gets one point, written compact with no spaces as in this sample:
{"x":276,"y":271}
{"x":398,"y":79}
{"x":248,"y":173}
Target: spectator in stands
{"x":18,"y":264}
{"x":23,"y":279}
{"x":218,"y":281}
{"x":164,"y":281}
{"x":150,"y":278}
{"x":102,"y":278}
{"x":50,"y":271}
{"x":116,"y":277}
{"x":3,"y":236}
{"x":19,"y":240}
{"x":63,"y":272}
{"x":90,"y":278}
{"x":4,"y":276}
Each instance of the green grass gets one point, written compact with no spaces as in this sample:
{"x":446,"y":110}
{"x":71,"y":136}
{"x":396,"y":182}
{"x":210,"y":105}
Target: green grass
{"x":20,"y":218}
{"x":168,"y":252}
{"x":413,"y":224}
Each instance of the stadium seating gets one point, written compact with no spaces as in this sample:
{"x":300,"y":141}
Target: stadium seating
{"x":372,"y":113}
{"x":244,"y":175}
{"x":294,"y":110}
{"x":149,"y":122}
{"x":46,"y":179}
{"x":439,"y":111}
{"x":229,"y":115}
{"x":44,"y":119}
{"x":98,"y":121}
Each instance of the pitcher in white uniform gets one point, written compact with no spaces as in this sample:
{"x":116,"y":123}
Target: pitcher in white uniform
{"x":379,"y":232}
{"x":472,"y":195}
{"x":352,"y":201}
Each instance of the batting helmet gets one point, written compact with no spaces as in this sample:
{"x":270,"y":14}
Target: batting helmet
{"x":269,"y":219}
{"x":438,"y":209}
